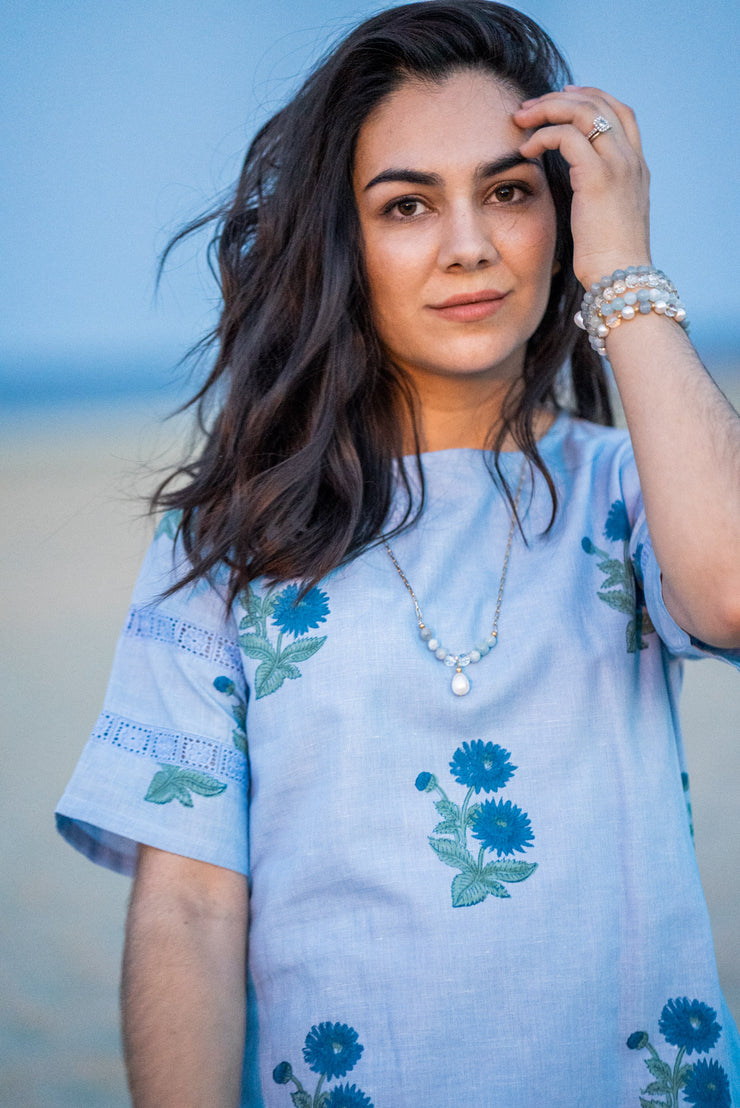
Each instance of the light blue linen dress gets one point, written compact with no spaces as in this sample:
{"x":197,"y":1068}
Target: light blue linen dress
{"x":484,"y":900}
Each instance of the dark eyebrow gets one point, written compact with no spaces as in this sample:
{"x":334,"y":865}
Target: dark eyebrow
{"x":432,"y":180}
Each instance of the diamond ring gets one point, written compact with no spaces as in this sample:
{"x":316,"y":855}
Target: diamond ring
{"x":598,"y":127}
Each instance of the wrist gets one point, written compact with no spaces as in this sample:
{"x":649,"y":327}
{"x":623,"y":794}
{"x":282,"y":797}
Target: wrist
{"x":624,"y":295}
{"x":600,"y":268}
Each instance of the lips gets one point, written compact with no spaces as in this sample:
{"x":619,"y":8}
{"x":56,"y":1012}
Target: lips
{"x":470,"y":306}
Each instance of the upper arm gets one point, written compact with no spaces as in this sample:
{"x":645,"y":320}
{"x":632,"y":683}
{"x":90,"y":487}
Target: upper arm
{"x":193,"y":888}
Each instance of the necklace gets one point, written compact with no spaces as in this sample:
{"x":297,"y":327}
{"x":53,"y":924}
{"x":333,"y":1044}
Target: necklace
{"x":459,"y":662}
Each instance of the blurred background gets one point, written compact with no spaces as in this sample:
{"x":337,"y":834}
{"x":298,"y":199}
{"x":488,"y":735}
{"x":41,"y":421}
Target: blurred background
{"x":121,"y":121}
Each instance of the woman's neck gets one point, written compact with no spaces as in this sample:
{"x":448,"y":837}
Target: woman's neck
{"x":450,"y":416}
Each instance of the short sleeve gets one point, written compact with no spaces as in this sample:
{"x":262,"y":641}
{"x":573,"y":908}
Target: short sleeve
{"x":677,"y":641}
{"x":166,"y":764}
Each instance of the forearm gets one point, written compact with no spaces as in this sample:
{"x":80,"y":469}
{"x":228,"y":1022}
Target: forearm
{"x":183,"y":999}
{"x":686,"y":438}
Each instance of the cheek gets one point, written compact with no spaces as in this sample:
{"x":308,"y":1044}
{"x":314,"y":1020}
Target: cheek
{"x":393,"y":268}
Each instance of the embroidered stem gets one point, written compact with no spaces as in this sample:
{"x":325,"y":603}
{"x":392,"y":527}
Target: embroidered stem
{"x":677,"y":1081}
{"x":318,"y":1090}
{"x":464,"y":818}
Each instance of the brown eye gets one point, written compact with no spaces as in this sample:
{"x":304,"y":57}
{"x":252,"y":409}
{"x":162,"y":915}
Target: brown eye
{"x":505,"y":193}
{"x":407,"y":207}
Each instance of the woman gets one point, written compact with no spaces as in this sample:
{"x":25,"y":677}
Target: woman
{"x":400,"y":265}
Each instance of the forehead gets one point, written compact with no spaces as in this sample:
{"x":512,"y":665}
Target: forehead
{"x":467,"y":118}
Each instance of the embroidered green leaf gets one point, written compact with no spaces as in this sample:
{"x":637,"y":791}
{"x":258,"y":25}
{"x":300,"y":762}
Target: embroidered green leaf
{"x":647,"y":623}
{"x":683,"y":1075}
{"x":254,"y":646}
{"x":172,"y":783}
{"x":239,"y":739}
{"x":471,"y":813}
{"x":616,"y":573}
{"x":268,"y":678}
{"x":168,"y":524}
{"x":446,"y":827}
{"x":322,"y":1101}
{"x":495,"y":888}
{"x":447,"y":809}
{"x":657,"y":1087}
{"x":509,"y":870}
{"x":239,"y":712}
{"x":302,"y":649}
{"x":290,"y":670}
{"x":661,"y":1070}
{"x":467,"y":890}
{"x":452,"y":854}
{"x":302,"y":1099}
{"x":644,"y":1103}
{"x":622,"y":601}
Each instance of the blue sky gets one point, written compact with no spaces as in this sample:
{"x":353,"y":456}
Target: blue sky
{"x":122,"y":119}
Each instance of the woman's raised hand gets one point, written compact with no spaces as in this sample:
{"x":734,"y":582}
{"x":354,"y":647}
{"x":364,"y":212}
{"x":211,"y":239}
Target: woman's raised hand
{"x":610,"y":180}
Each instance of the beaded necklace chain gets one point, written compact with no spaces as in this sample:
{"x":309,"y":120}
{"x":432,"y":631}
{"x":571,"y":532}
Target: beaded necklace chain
{"x":459,"y":662}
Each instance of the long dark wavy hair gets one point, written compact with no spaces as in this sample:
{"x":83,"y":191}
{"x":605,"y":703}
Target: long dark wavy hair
{"x":303,"y":413}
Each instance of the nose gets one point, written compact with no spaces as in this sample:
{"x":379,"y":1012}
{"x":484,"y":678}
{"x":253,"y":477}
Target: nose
{"x":466,"y":242}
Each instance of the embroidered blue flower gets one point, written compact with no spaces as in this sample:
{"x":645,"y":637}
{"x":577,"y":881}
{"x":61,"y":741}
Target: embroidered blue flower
{"x":638,"y":1040}
{"x":348,"y":1096}
{"x":617,"y":527}
{"x":332,"y":1049}
{"x":690,"y":1024}
{"x":707,"y":1086}
{"x":296,"y":617}
{"x":481,"y":765}
{"x":503,"y":827}
{"x":426,"y":782}
{"x":224,"y":685}
{"x":282,"y":1073}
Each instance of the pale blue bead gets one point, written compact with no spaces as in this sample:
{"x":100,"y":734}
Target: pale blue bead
{"x":433,"y":644}
{"x":646,"y":307}
{"x":588,"y":298}
{"x":596,"y":288}
{"x":630,"y":298}
{"x":643,"y":294}
{"x":426,"y":634}
{"x":644,"y":269}
{"x":492,"y":641}
{"x":617,"y":304}
{"x":475,"y":656}
{"x":463,"y":659}
{"x":605,"y":282}
{"x":619,"y":275}
{"x":482,"y":648}
{"x":450,"y":660}
{"x":441,"y":653}
{"x":631,"y":269}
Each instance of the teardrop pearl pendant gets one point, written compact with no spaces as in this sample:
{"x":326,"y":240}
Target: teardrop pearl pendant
{"x":460,"y":684}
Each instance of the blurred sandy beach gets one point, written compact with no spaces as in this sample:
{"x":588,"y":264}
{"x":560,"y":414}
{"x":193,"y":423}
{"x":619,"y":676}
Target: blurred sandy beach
{"x":72,"y":539}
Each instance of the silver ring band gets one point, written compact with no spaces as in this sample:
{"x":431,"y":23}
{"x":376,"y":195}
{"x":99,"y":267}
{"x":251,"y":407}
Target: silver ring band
{"x":599,"y":127}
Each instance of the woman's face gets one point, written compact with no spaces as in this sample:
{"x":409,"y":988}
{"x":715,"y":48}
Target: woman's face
{"x":458,"y":229}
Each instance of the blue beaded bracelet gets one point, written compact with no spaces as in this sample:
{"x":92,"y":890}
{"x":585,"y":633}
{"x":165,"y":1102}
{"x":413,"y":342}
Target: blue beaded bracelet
{"x":636,"y":290}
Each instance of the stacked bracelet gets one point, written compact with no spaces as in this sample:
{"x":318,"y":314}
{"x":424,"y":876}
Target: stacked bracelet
{"x":636,"y":290}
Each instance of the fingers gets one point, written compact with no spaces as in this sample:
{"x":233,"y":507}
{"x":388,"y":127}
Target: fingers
{"x":621,"y":112}
{"x":579,"y":107}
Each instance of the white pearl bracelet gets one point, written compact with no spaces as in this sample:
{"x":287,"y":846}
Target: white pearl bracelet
{"x":636,"y":290}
